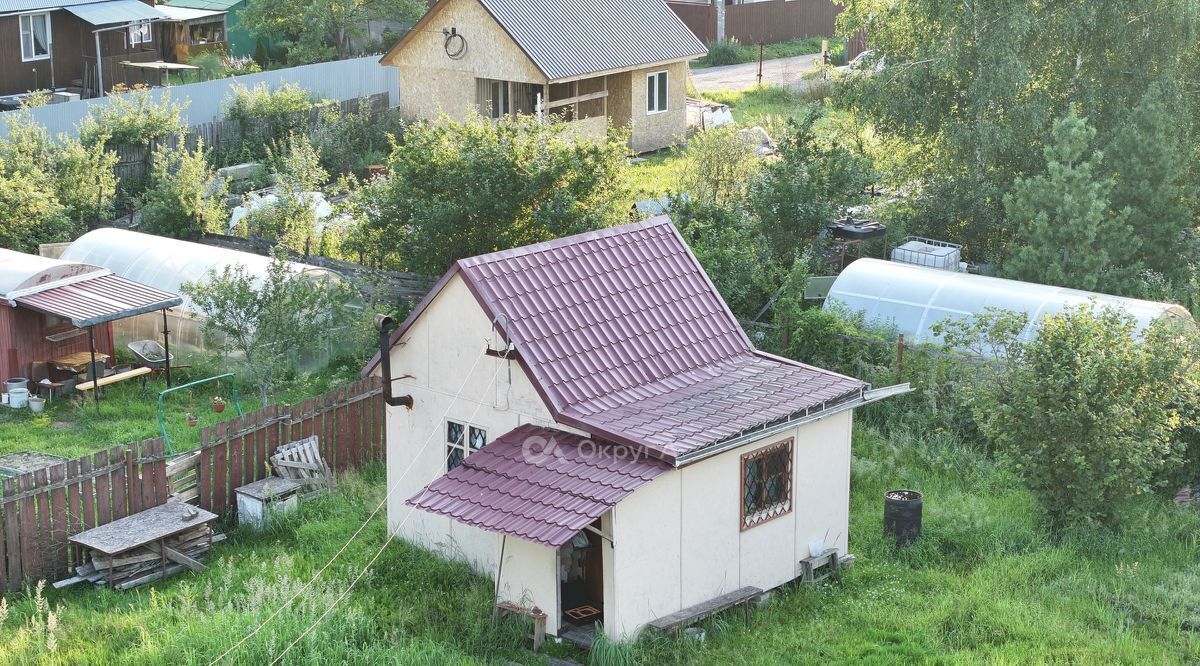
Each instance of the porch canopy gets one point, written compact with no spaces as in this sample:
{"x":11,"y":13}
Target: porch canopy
{"x":116,"y":11}
{"x":539,"y":484}
{"x":98,"y":298}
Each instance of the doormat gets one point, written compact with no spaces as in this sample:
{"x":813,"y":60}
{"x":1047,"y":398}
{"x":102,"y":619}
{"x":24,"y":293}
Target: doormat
{"x":582,"y":612}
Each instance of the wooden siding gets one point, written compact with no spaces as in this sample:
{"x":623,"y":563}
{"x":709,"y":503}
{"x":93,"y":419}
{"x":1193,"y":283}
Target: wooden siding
{"x":23,"y":341}
{"x":73,"y":44}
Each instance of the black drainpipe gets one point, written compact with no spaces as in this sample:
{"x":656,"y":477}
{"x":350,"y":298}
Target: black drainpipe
{"x":384,"y":325}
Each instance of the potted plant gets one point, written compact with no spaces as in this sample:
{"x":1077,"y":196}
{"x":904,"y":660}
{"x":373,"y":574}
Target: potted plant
{"x":218,"y":404}
{"x":192,"y":420}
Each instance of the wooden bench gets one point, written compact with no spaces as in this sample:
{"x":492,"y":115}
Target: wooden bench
{"x":536,"y":614}
{"x":112,"y":379}
{"x":693,"y":614}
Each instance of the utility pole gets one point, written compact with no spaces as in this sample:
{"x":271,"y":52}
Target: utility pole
{"x":720,"y":19}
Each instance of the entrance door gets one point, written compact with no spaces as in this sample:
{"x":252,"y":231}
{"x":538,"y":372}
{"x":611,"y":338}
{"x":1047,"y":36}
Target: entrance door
{"x":581,"y":579}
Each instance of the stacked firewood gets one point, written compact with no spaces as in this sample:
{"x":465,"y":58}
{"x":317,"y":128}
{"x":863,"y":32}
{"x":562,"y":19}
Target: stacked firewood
{"x":147,"y":563}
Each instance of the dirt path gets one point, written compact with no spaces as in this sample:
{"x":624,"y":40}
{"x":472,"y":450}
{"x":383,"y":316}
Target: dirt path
{"x":781,"y":72}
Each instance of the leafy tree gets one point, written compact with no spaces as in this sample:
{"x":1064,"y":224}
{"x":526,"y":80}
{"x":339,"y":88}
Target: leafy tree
{"x":1069,"y":235}
{"x":718,"y":165}
{"x":185,"y":197}
{"x":975,"y":87}
{"x":318,"y":30}
{"x":806,"y":188}
{"x":30,"y":211}
{"x":268,"y":115}
{"x":1150,"y":158}
{"x":269,"y":322}
{"x":1085,"y":412}
{"x":135,"y":118}
{"x":461,"y":189}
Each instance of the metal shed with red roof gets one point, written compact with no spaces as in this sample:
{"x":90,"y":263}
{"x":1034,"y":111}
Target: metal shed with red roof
{"x":587,"y":423}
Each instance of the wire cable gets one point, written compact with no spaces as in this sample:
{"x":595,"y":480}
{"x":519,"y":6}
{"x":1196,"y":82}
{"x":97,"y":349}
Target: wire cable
{"x":366,"y":522}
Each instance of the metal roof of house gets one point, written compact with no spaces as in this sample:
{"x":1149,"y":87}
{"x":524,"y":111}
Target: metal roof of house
{"x":11,"y":6}
{"x":115,"y":11}
{"x":84,"y":294}
{"x":567,"y":40}
{"x":625,"y":337}
{"x":216,"y":5}
{"x":538,"y":484}
{"x":178,"y":13}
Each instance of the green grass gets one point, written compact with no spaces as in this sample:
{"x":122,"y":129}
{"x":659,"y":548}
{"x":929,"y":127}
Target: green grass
{"x":734,"y":52}
{"x":71,"y":427}
{"x":985,"y":584}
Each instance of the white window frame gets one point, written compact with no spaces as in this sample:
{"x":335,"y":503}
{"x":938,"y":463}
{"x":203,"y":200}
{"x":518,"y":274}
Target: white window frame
{"x":136,"y":30}
{"x":465,"y":445}
{"x":25,"y":23}
{"x":652,"y":98}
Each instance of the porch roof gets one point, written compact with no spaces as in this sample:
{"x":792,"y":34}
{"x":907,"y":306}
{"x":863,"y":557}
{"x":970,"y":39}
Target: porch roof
{"x":116,"y":11}
{"x":97,"y":298}
{"x":539,"y":484}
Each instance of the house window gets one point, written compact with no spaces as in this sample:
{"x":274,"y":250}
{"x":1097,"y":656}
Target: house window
{"x":207,"y":33}
{"x":461,"y":441}
{"x":35,"y":37}
{"x":56,"y":324}
{"x":766,"y":484}
{"x":493,"y":98}
{"x":656,"y":92}
{"x":140,"y":33}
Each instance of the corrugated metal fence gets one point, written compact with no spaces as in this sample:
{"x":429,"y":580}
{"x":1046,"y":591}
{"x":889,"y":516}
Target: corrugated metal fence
{"x":338,"y":80}
{"x":41,"y":510}
{"x":767,"y":21}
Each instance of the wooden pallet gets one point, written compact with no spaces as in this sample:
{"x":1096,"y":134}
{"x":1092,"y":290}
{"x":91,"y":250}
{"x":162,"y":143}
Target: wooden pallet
{"x":301,"y":461}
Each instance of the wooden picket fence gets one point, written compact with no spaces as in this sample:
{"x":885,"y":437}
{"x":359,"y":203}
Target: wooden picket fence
{"x":41,"y":510}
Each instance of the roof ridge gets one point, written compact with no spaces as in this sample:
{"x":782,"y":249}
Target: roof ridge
{"x":565,"y":241}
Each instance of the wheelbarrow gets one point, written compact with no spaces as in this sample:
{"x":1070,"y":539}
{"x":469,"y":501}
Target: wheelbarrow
{"x":150,"y":353}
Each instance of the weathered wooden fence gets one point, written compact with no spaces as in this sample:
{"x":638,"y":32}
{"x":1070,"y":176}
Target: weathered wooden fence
{"x":40,"y":510}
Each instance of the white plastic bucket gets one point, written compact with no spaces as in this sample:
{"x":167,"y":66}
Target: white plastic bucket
{"x":37,"y":404}
{"x":18,"y":398}
{"x":816,"y":546}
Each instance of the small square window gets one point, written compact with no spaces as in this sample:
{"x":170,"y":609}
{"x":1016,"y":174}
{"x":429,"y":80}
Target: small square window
{"x":461,"y":441}
{"x":140,"y":33}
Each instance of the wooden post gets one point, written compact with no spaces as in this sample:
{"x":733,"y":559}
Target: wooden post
{"x":95,"y":375}
{"x":760,"y":63}
{"x":899,"y":357}
{"x":167,"y":346}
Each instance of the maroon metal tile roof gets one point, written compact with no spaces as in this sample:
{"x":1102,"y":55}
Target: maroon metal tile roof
{"x":99,"y":299}
{"x":538,"y":484}
{"x":625,"y":337}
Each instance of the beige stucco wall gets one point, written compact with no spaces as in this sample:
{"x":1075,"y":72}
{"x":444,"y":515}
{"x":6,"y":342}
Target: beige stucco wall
{"x":432,"y":83}
{"x":658,"y":130}
{"x":679,"y":540}
{"x":453,"y":379}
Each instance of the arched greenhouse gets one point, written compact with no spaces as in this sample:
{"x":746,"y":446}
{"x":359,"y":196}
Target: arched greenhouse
{"x":913,"y":298}
{"x":167,"y":263}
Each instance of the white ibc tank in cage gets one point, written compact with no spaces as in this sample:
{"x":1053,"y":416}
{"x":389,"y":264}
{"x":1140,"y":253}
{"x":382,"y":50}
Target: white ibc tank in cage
{"x":913,"y":298}
{"x":927,"y":252}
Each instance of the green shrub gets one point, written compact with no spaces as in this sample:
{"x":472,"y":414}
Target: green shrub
{"x":1085,"y":411}
{"x":132,"y":119}
{"x":728,"y":52}
{"x":186,"y":197}
{"x":266,"y":115}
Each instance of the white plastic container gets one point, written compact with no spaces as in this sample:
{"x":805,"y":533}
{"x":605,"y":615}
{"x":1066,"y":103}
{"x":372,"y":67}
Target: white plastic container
{"x":37,"y":404}
{"x":18,"y":398}
{"x":816,"y":546}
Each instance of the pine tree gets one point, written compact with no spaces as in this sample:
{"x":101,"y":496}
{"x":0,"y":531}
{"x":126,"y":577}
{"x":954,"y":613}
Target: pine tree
{"x":1068,"y":234}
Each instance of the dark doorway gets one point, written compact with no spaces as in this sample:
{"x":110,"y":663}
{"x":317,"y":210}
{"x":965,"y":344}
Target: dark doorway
{"x":581,"y":579}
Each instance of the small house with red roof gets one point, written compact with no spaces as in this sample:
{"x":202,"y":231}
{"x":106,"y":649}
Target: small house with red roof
{"x":586,"y":422}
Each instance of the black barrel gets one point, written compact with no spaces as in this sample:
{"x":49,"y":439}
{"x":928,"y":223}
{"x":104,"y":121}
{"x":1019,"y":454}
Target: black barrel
{"x":902,"y":515}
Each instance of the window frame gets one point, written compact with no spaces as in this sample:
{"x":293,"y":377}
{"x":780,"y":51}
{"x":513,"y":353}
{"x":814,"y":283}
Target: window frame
{"x":760,"y":514}
{"x":138,"y":26}
{"x":465,"y":445}
{"x":658,"y":99}
{"x":27,"y":19}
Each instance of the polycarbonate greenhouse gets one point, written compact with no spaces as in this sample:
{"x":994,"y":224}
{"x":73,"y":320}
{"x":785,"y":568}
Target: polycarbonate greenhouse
{"x":914,"y":298}
{"x":166,"y":263}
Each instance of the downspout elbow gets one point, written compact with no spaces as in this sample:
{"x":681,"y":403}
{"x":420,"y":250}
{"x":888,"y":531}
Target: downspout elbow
{"x":384,"y":324}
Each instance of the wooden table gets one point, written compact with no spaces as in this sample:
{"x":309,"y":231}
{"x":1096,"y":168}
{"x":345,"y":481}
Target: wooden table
{"x":147,"y":546}
{"x":77,"y":362}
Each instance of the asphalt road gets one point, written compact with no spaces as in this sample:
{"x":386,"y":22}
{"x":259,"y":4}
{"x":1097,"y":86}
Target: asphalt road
{"x":785,"y":72}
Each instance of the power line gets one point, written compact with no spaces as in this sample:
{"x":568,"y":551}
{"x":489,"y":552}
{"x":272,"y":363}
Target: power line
{"x":391,"y":535}
{"x":365,"y":523}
